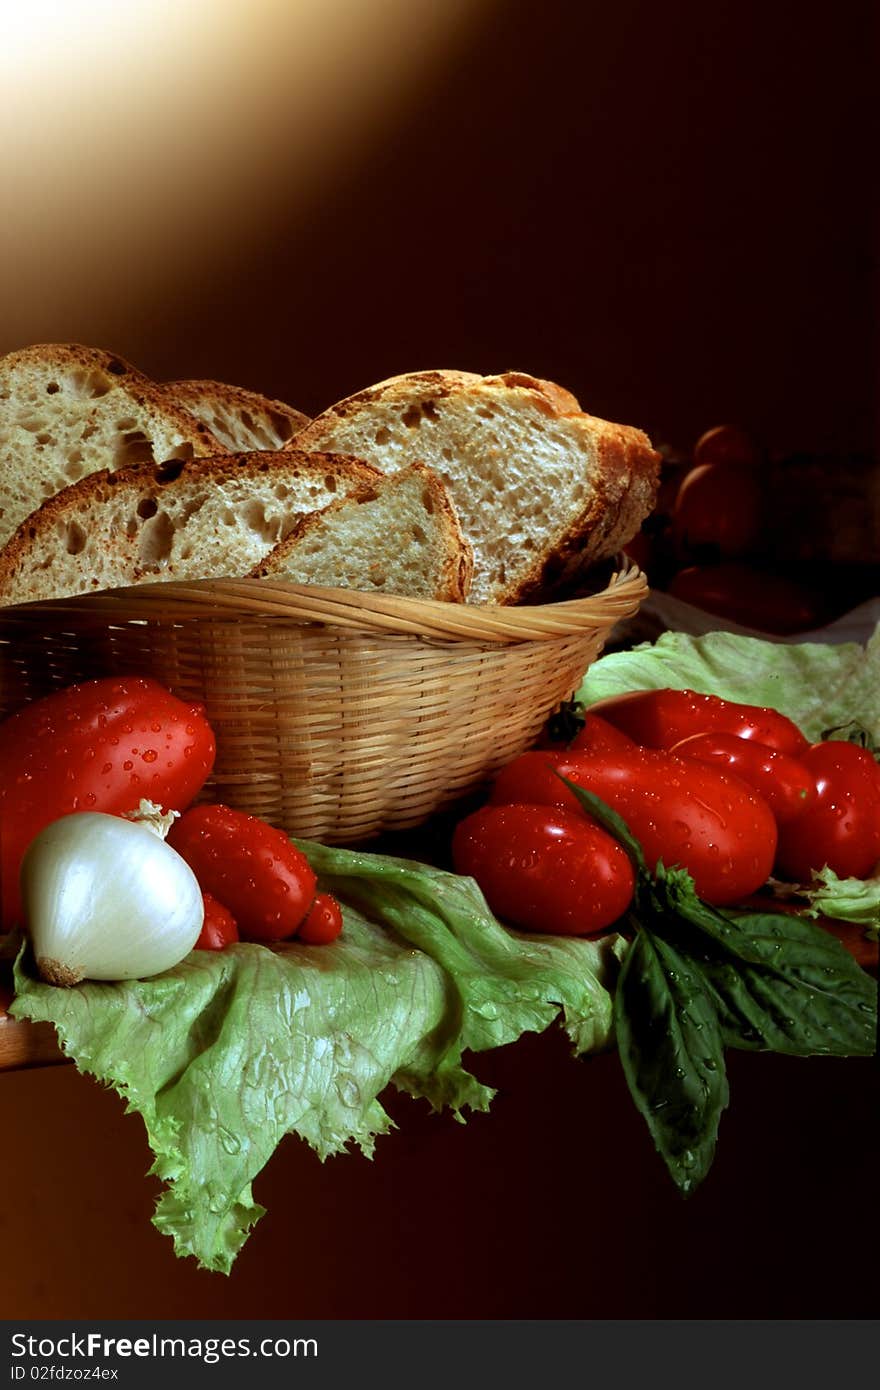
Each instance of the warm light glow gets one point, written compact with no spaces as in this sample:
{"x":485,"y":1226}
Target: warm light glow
{"x":41,"y":32}
{"x":146,"y":140}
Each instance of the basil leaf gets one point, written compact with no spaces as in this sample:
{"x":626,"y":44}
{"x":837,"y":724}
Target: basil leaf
{"x":780,"y":983}
{"x":610,"y":821}
{"x":672,"y":1054}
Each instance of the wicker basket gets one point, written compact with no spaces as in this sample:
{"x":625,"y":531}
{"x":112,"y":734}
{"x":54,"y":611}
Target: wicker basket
{"x":338,"y":715}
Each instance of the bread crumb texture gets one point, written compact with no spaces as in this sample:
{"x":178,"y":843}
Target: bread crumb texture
{"x":241,"y":420}
{"x":543,"y":490}
{"x":399,"y":535}
{"x":199,"y":519}
{"x":67,"y":411}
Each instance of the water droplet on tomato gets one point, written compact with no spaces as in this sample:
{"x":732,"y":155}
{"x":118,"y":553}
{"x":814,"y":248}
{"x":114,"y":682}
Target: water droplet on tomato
{"x":127,"y":765}
{"x":150,"y":755}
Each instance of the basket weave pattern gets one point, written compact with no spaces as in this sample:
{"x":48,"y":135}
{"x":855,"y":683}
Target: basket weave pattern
{"x":338,"y":715}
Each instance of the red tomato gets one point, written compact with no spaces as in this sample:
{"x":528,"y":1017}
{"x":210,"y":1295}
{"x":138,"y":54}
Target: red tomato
{"x":599,"y":736}
{"x":842,"y":829}
{"x":717,"y":509}
{"x":323,"y":921}
{"x":783,"y":781}
{"x":726,"y":444}
{"x":219,"y":928}
{"x":545,"y":870}
{"x":766,"y":602}
{"x":251,"y":867}
{"x":98,"y":746}
{"x":581,"y":731}
{"x":662,"y":718}
{"x":708,"y":821}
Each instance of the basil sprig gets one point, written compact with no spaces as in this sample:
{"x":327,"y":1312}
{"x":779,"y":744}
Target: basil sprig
{"x":670,"y":1046}
{"x":697,"y":979}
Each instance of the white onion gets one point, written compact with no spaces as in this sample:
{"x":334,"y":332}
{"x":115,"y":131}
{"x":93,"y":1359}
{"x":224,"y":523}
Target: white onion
{"x":106,"y":899}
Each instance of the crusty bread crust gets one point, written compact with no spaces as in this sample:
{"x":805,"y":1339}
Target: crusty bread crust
{"x":623,"y":471}
{"x":453,"y":580}
{"x":26,"y":562}
{"x":67,"y":410}
{"x":270,"y":424}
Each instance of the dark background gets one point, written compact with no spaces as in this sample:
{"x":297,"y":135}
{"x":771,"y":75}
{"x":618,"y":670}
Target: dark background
{"x":664,"y":207}
{"x":667,"y":208}
{"x":552,"y":1205}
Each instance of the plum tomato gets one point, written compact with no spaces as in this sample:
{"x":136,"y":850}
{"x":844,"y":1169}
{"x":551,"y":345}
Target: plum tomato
{"x":571,"y":728}
{"x":100,"y":745}
{"x":784,"y":782}
{"x":662,"y":718}
{"x":842,"y":829}
{"x":753,"y":598}
{"x":248,"y":865}
{"x":726,"y":444}
{"x":718,"y":512}
{"x":545,"y":870}
{"x":219,"y":928}
{"x":684,"y":813}
{"x":323,"y":921}
{"x":599,"y":736}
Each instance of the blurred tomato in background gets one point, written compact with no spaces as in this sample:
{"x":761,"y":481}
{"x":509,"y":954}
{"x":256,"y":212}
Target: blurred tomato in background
{"x":779,"y":544}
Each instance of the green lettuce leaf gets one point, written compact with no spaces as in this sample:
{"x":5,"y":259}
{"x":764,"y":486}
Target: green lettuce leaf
{"x":819,"y":686}
{"x":847,"y":899}
{"x":231,"y":1050}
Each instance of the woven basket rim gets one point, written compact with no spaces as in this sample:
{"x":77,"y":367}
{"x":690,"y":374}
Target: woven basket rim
{"x":243,"y":599}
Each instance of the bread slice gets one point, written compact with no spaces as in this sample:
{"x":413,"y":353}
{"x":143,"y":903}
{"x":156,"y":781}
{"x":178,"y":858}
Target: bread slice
{"x":209,"y":518}
{"x":543,"y":490}
{"x":67,"y":411}
{"x":397,"y":535}
{"x":241,"y":420}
